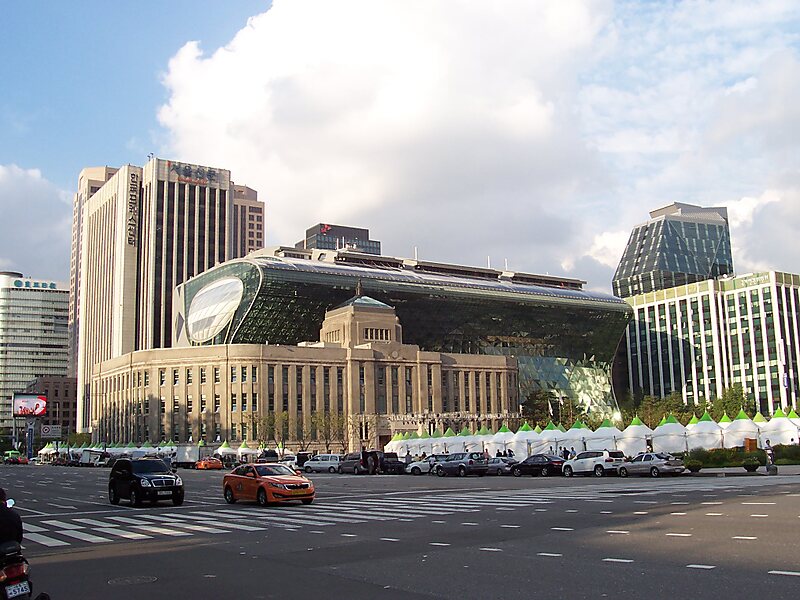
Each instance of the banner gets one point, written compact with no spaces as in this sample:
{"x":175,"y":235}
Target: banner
{"x":30,"y":405}
{"x":51,"y":432}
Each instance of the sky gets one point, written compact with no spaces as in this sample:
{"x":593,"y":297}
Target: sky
{"x":532,"y":133}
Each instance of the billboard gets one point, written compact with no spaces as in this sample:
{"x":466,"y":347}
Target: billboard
{"x":51,"y":432}
{"x":30,"y":405}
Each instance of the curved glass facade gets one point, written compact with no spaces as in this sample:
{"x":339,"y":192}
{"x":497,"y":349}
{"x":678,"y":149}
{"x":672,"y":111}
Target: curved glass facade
{"x":212,"y":308}
{"x":564,"y":339}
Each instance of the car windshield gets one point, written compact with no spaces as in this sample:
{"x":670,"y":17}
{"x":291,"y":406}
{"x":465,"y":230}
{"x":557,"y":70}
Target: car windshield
{"x":664,"y":456}
{"x":272,"y":470}
{"x":616,"y":454}
{"x":150,"y":466}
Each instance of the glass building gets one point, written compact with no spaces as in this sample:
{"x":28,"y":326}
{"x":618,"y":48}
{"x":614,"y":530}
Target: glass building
{"x":563,"y":337}
{"x":324,"y":236}
{"x":680,"y":244}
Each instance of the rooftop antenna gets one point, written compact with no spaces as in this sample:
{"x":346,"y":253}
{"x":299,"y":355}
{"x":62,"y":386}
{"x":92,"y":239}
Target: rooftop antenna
{"x":415,"y":253}
{"x":506,"y":261}
{"x":488,"y":262}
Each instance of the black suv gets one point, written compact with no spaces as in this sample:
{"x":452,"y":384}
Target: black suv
{"x":144,"y":479}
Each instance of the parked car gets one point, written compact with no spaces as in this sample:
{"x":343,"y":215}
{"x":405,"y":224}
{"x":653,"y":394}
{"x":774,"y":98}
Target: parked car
{"x":352,"y":464}
{"x":419,"y":467}
{"x":141,"y":479}
{"x":596,"y":462}
{"x":500,"y":465}
{"x":539,"y":464}
{"x":323,"y":462}
{"x":391,"y":464}
{"x":267,"y":484}
{"x":208,"y":463}
{"x":463,"y":464}
{"x":653,"y":464}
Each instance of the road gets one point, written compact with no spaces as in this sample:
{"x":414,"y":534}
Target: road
{"x":417,"y":537}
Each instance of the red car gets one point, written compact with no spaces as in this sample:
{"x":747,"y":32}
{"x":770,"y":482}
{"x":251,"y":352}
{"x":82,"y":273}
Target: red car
{"x":267,"y":484}
{"x":208,"y":463}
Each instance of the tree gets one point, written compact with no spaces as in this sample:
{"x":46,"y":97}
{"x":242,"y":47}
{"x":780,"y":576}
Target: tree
{"x":326,"y":425}
{"x":338,"y":425}
{"x":731,"y":401}
{"x":536,"y":407}
{"x":79,"y":439}
{"x":274,"y":427}
{"x":304,"y":436}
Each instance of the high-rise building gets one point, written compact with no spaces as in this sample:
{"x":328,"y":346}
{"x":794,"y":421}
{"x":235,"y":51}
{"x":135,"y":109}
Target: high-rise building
{"x":323,"y":236}
{"x":90,"y":181}
{"x":702,"y":338}
{"x":62,"y":405}
{"x":680,"y":244}
{"x":248,"y":221}
{"x":34,"y":340}
{"x":144,"y":231}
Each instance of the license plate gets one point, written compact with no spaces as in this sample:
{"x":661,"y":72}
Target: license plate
{"x":299,"y":491}
{"x":165,"y":493}
{"x":12,"y":591}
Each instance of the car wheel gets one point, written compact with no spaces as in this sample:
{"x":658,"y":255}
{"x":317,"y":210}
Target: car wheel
{"x":229,"y":497}
{"x":307,"y":501}
{"x":308,"y":469}
{"x":568,"y":471}
{"x":416,"y":471}
{"x":623,"y":472}
{"x":440,"y":472}
{"x":462,"y":471}
{"x":261,"y":497}
{"x":499,"y":472}
{"x":654,"y":472}
{"x":177,"y":499}
{"x":516,"y":471}
{"x":135,"y":499}
{"x":545,"y":472}
{"x":113,"y":497}
{"x":599,"y":471}
{"x":331,"y":470}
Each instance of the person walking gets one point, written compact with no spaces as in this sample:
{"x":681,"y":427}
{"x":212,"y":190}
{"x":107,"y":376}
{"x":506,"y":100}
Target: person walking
{"x":499,"y":454}
{"x":572,"y":453}
{"x":409,"y":458}
{"x":10,"y":521}
{"x":770,"y":453}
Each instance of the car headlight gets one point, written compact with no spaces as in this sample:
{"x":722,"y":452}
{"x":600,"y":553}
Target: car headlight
{"x":178,"y":480}
{"x":279,"y":486}
{"x":145,"y":483}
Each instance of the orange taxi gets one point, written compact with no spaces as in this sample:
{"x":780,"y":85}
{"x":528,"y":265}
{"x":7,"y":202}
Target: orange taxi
{"x":208,"y":462}
{"x":268,"y":483}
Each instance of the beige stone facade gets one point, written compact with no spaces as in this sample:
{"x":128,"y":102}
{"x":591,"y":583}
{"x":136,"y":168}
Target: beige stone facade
{"x":368,"y":383}
{"x":248,"y":221}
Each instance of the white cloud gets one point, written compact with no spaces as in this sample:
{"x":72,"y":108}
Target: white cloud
{"x":35,"y":224}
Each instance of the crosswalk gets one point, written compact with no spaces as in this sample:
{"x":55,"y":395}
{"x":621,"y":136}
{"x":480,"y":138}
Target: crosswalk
{"x":181,"y":523}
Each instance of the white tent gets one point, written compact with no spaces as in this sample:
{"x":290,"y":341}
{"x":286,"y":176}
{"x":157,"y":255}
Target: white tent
{"x":525,"y":442}
{"x":225,"y":450}
{"x":604,"y":437}
{"x":705,"y":434}
{"x":245,"y":450}
{"x":551,"y":437}
{"x":741,"y":427}
{"x":670,"y":437}
{"x":576,"y":436}
{"x":634,"y":438}
{"x":499,"y":441}
{"x":780,"y":430}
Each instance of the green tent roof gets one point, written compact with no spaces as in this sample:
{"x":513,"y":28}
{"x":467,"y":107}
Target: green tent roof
{"x":396,"y":437}
{"x":147,"y":444}
{"x":560,"y":427}
{"x":465,"y":431}
{"x":759,"y":418}
{"x":131,"y":445}
{"x":741,"y":415}
{"x":793,"y":415}
{"x":244,"y":445}
{"x":550,"y":426}
{"x":663,"y":421}
{"x":424,"y":435}
{"x":694,"y":420}
{"x":671,"y":418}
{"x":201,"y":443}
{"x":578,"y":424}
{"x":706,"y":417}
{"x":525,"y":427}
{"x":779,"y":414}
{"x":725,"y":418}
{"x":636,"y":421}
{"x":537,"y":429}
{"x":407,"y":435}
{"x":449,"y":433}
{"x":483,"y":431}
{"x":413,"y":435}
{"x":606,"y":423}
{"x":436,"y":433}
{"x":225,"y":444}
{"x":504,"y":429}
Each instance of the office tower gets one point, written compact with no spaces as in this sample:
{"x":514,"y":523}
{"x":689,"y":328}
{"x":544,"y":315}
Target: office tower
{"x":681,"y":243}
{"x":90,"y":180}
{"x":143,"y":232}
{"x":248,"y":221}
{"x":62,"y":405}
{"x":338,"y":237}
{"x":33,"y":334}
{"x":701,"y":338}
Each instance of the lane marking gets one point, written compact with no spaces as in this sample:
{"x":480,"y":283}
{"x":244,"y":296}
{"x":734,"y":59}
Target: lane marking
{"x":606,"y":512}
{"x":701,"y":567}
{"x":641,"y":512}
{"x":758,"y":503}
{"x":710,"y":503}
{"x":82,"y":535}
{"x":45,"y":540}
{"x":162,"y":530}
{"x":440,"y":522}
{"x":348,"y":535}
{"x":201,"y":528}
{"x":511,"y":526}
{"x":618,"y":531}
{"x":759,"y":516}
{"x":96,"y":523}
{"x":63,"y":525}
{"x":744,"y":537}
{"x":128,"y":535}
{"x":618,"y":560}
{"x":562,"y":529}
{"x":389,"y":539}
{"x":679,"y":534}
{"x":571,"y":511}
{"x":27,"y":527}
{"x":678,"y":514}
{"x":793,"y":573}
{"x":437,"y":544}
{"x":490,"y":549}
{"x":713,"y":514}
{"x":539,"y":510}
{"x":470,"y":524}
{"x":549,"y":554}
{"x":316,"y":532}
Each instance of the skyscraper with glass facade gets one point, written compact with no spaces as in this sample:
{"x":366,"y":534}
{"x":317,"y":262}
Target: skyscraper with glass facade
{"x":324,"y":236}
{"x":702,"y":338}
{"x":680,"y":244}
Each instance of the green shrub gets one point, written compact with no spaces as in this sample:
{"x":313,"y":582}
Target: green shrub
{"x":751,"y":463}
{"x":693,"y":465}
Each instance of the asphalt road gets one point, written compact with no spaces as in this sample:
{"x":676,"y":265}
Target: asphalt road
{"x":417,"y":537}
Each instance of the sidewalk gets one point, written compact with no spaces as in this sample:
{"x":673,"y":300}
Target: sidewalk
{"x":740,"y":472}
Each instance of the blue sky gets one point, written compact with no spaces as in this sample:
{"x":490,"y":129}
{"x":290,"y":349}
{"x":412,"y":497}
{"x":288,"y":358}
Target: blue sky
{"x":534,"y":132}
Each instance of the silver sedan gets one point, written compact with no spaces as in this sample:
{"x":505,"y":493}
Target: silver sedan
{"x":653,"y":464}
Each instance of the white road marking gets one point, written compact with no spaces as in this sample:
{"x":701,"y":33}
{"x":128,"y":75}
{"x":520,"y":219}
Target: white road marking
{"x":539,"y":510}
{"x":389,"y":540}
{"x":678,"y":514}
{"x":128,"y":535}
{"x":606,"y":512}
{"x":470,"y":524}
{"x":618,"y":531}
{"x":82,"y":535}
{"x":33,"y":528}
{"x":201,"y":528}
{"x":96,"y":523}
{"x":549,"y":554}
{"x":437,"y":544}
{"x":562,"y":529}
{"x":490,"y":549}
{"x":713,"y":514}
{"x":759,"y":516}
{"x":680,"y":503}
{"x":793,"y":573}
{"x":349,"y":535}
{"x":758,"y":503}
{"x":618,"y":560}
{"x":126,"y":520}
{"x":62,"y":506}
{"x":439,"y":522}
{"x":45,"y":540}
{"x":710,"y":503}
{"x":511,"y":526}
{"x":161,"y":530}
{"x":63,"y":525}
{"x":701,"y":567}
{"x":316,"y":531}
{"x":571,"y":511}
{"x":641,"y":512}
{"x":679,"y":534}
{"x":744,"y":537}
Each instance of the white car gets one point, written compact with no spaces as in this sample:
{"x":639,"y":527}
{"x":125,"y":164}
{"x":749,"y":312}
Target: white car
{"x":424,"y":466}
{"x":595,"y":462}
{"x":322,"y":462}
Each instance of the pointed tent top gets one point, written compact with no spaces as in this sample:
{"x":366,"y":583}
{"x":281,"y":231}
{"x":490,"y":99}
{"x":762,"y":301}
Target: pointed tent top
{"x":225,"y":444}
{"x":504,"y":429}
{"x":694,"y":420}
{"x":147,"y":444}
{"x":759,"y":418}
{"x":424,"y":435}
{"x":537,"y":429}
{"x":396,"y":437}
{"x":483,"y":431}
{"x":606,"y":423}
{"x":550,"y":427}
{"x":742,"y":415}
{"x":464,"y":431}
{"x":578,"y":424}
{"x":663,"y":421}
{"x":244,"y":445}
{"x":793,"y":415}
{"x":671,"y":418}
{"x":449,"y":433}
{"x":779,"y":414}
{"x":406,"y":436}
{"x":201,"y":443}
{"x":636,"y":421}
{"x":131,"y":445}
{"x":413,"y":435}
{"x":560,"y":427}
{"x":525,"y":427}
{"x":725,"y":418}
{"x":706,"y":417}
{"x":436,"y":433}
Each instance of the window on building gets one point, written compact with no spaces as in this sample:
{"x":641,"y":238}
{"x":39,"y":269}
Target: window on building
{"x":189,"y":404}
{"x":254,"y":374}
{"x":233,"y":374}
{"x":202,"y":403}
{"x":233,"y":432}
{"x":244,"y":432}
{"x":244,"y":374}
{"x":175,"y":377}
{"x":244,"y":402}
{"x":146,"y":378}
{"x":233,"y":402}
{"x":202,"y":374}
{"x":176,"y":404}
{"x":163,"y":405}
{"x":254,"y":406}
{"x":188,"y":376}
{"x":162,"y":377}
{"x":217,"y":403}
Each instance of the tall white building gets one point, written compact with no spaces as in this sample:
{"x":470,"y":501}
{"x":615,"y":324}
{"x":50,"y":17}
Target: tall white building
{"x":34,"y":339}
{"x":141,"y":233}
{"x":702,"y":338}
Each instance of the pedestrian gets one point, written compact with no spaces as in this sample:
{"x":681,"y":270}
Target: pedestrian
{"x":572,"y":453}
{"x":10,"y":521}
{"x":372,"y":466}
{"x":423,"y":457}
{"x":499,"y":454}
{"x":770,"y":453}
{"x":565,"y":453}
{"x":409,"y":459}
{"x":510,"y":453}
{"x":486,"y":453}
{"x":551,"y":450}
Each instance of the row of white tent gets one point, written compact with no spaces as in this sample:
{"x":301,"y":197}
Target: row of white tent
{"x":167,"y":449}
{"x":668,"y":436}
